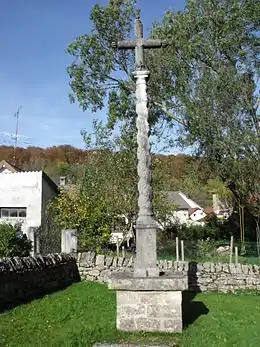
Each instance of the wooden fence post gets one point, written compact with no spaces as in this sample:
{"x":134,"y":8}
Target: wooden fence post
{"x":117,"y":246}
{"x":182,"y":251}
{"x":231,"y":248}
{"x":236,"y":254}
{"x":177,"y":249}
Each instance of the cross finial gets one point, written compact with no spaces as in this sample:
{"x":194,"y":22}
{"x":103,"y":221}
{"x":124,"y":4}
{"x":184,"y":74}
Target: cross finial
{"x":138,"y":44}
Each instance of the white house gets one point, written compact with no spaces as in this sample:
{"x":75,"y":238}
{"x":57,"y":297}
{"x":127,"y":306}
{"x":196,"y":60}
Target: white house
{"x":23,"y":198}
{"x":187,"y":211}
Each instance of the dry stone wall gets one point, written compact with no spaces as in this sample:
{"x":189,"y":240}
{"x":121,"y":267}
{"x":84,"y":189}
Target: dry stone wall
{"x":201,"y":277}
{"x":29,"y":277}
{"x":25,"y":278}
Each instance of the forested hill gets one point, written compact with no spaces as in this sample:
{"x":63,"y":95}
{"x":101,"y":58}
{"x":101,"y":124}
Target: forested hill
{"x":55,"y":159}
{"x":38,"y":158}
{"x":179,"y":171}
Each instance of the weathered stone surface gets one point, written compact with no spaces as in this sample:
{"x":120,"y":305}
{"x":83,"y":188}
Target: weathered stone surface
{"x":125,"y":324}
{"x":149,"y":311}
{"x":172,"y":325}
{"x":94,"y":273}
{"x":148,"y":324}
{"x":125,"y":281}
{"x":131,"y":310}
{"x":120,"y":261}
{"x":200,"y":277}
{"x":223,"y":250}
{"x":88,"y":258}
{"x":115,"y":262}
{"x":27,"y":277}
{"x":109,"y":261}
{"x":100,"y":260}
{"x":161,"y":311}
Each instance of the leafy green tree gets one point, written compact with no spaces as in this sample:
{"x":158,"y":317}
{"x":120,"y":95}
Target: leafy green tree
{"x":112,"y":171}
{"x":204,"y":84}
{"x":75,"y":210}
{"x":100,"y":73}
{"x":217,"y":46}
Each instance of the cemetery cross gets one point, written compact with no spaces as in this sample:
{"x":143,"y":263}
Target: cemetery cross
{"x":146,"y":259}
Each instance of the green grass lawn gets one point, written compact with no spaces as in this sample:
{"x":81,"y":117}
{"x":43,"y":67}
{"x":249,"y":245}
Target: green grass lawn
{"x":85,"y":314}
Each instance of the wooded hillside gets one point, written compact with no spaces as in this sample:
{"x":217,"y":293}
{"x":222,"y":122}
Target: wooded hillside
{"x":180,"y":171}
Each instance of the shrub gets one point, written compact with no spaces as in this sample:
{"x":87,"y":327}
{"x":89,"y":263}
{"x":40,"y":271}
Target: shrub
{"x":91,"y":219}
{"x":206,"y":248}
{"x":212,"y":229}
{"x":12,"y":245}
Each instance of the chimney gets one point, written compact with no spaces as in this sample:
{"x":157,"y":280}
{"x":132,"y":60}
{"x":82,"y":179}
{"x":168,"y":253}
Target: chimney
{"x":62,"y":181}
{"x":216,"y":203}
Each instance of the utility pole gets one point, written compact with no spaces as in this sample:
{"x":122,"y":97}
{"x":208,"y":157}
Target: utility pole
{"x":17,"y":113}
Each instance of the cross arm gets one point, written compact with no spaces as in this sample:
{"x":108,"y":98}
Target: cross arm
{"x":154,"y":43}
{"x":125,"y":44}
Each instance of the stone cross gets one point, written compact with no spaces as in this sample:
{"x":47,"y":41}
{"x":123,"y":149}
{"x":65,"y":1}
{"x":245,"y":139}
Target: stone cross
{"x":145,"y":225}
{"x":139,"y":44}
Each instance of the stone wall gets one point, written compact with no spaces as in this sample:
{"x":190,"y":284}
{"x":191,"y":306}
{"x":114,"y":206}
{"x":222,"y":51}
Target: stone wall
{"x":24,"y":278}
{"x":201,"y":277}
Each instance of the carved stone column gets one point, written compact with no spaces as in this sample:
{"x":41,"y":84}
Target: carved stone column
{"x":145,"y":225}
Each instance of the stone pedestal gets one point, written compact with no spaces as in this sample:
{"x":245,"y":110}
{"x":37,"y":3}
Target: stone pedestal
{"x":149,"y":304}
{"x":145,"y":265}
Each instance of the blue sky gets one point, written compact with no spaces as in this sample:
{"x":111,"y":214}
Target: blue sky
{"x":34,"y":36}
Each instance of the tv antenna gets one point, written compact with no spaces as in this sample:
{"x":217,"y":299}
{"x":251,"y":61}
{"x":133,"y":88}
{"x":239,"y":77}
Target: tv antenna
{"x":17,"y":114}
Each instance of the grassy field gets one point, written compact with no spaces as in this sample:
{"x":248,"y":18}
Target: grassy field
{"x":84,"y":314}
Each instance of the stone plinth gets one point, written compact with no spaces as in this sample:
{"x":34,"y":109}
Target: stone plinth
{"x":149,"y":304}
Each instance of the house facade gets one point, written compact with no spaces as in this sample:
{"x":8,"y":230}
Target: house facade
{"x":23,"y":199}
{"x":187,"y":211}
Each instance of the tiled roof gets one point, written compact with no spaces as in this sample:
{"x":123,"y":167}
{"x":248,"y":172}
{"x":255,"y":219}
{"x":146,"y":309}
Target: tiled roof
{"x":181,"y":200}
{"x":9,"y":166}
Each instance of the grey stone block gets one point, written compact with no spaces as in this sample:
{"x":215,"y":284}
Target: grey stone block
{"x":109,"y":261}
{"x":130,"y":262}
{"x":88,"y":258}
{"x":100,"y":260}
{"x":126,"y":298}
{"x":125,"y":281}
{"x":148,"y":324}
{"x":169,"y":264}
{"x":163,"y":311}
{"x":131,"y":310}
{"x":115,"y":261}
{"x":149,"y":311}
{"x":120,"y":261}
{"x":94,"y":272}
{"x":172,"y":326}
{"x":125,"y":324}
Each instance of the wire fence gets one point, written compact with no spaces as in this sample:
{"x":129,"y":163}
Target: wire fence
{"x":223,"y":251}
{"x":200,"y":251}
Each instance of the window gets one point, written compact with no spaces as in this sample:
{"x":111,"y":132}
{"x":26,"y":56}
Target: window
{"x":13,"y":212}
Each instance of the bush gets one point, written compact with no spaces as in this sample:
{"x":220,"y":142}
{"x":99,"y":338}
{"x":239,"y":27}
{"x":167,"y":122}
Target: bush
{"x":91,"y":219}
{"x":12,"y":245}
{"x":212,"y":229}
{"x":206,"y":248}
